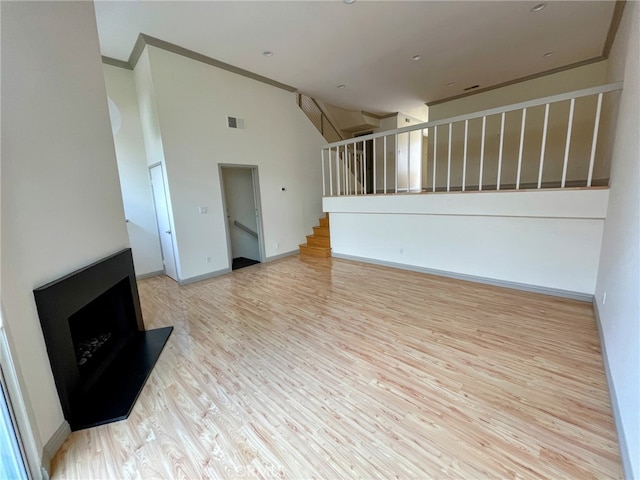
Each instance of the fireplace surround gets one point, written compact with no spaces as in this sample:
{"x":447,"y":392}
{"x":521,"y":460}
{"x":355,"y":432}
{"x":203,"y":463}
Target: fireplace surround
{"x":99,"y":351}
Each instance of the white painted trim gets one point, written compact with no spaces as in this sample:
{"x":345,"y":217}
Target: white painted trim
{"x":555,"y":292}
{"x":617,"y":418}
{"x":150,"y":274}
{"x":273,"y":258}
{"x":255,"y":181}
{"x":587,"y":204}
{"x":197,"y":278}
{"x":485,"y":113}
{"x":53,"y":445}
{"x":20,"y":407}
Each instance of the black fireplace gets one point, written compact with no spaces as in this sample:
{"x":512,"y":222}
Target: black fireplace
{"x":99,"y":351}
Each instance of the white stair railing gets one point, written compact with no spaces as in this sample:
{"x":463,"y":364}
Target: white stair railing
{"x":497,"y":147}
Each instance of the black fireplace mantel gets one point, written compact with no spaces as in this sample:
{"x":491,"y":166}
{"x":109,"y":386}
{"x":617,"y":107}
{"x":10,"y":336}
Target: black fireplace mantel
{"x":99,"y":351}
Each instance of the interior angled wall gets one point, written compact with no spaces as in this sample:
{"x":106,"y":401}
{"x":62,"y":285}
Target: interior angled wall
{"x":619,"y":271}
{"x":192,"y":101}
{"x":134,"y":172}
{"x":61,"y":202}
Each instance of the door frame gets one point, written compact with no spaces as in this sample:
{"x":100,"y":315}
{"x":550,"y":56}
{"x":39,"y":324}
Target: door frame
{"x":169,"y":219}
{"x":258,"y":206}
{"x":18,"y":409}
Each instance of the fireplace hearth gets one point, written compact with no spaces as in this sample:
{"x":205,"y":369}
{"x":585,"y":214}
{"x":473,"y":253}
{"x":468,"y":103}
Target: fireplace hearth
{"x":99,"y":351}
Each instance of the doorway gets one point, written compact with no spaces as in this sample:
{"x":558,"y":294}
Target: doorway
{"x":241,"y":196}
{"x":162,"y":216}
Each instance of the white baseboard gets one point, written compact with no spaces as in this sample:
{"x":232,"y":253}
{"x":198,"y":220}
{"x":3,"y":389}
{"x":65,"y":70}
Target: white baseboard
{"x":556,"y":292}
{"x":52,"y":447}
{"x":198,"y":278}
{"x":281,"y":255}
{"x":622,"y":441}
{"x":149,"y":275}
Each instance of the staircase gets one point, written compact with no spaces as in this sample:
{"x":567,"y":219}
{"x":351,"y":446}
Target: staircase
{"x":318,"y":244}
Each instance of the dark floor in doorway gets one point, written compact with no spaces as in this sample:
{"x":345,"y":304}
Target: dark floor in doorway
{"x":242,"y":262}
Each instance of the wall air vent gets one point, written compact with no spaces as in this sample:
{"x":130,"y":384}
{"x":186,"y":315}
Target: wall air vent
{"x":233,"y":122}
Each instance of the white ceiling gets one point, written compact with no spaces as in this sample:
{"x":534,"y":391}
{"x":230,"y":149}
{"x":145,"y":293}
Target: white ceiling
{"x":368,"y":46}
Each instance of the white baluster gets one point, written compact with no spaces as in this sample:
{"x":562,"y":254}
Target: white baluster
{"x":464,"y":157}
{"x":449,"y":159}
{"x":384,"y":166}
{"x":324,"y":186}
{"x":396,"y":161}
{"x":408,"y":162}
{"x":524,"y":120}
{"x":484,"y":126}
{"x":544,"y":143}
{"x":435,"y":154}
{"x":568,"y":144}
{"x":595,"y":140}
{"x":500,"y":153}
{"x":375,"y":161}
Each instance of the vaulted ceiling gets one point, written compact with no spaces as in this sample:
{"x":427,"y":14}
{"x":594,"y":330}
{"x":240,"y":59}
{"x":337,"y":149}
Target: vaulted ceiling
{"x":369,"y":46}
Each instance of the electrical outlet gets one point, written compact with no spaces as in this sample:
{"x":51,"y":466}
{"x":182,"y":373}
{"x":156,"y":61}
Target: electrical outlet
{"x":402,"y":250}
{"x":277,"y":245}
{"x":604,"y":298}
{"x":207,"y":259}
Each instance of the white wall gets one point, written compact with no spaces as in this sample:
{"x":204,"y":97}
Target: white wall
{"x":153,"y":136}
{"x":546,"y":239}
{"x":134,"y":172}
{"x":619,"y":271}
{"x":586,"y":76}
{"x":192,"y":100}
{"x":61,"y":202}
{"x":582,"y":130}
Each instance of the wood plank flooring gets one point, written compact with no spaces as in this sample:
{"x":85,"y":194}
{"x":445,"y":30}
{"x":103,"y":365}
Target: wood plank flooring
{"x":327,"y":368}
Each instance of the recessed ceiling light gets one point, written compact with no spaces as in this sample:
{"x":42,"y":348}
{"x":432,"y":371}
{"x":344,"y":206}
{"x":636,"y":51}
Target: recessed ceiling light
{"x":548,"y":54}
{"x":342,"y":86}
{"x":267,"y":53}
{"x":349,"y":2}
{"x":538,"y":7}
{"x":415,"y":58}
{"x":451,"y":84}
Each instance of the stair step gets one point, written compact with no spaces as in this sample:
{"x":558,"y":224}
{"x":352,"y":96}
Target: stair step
{"x":324,"y":222}
{"x":321,"y":231}
{"x":314,"y":241}
{"x":323,"y":252}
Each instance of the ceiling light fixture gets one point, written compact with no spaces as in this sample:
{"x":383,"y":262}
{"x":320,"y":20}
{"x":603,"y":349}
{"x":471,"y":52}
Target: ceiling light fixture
{"x":415,"y":58}
{"x":538,"y":7}
{"x":341,"y":86}
{"x":548,"y":54}
{"x":267,"y":53}
{"x":349,"y":2}
{"x":451,"y":84}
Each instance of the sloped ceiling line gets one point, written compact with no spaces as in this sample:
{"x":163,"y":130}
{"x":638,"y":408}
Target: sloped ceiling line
{"x":144,"y":40}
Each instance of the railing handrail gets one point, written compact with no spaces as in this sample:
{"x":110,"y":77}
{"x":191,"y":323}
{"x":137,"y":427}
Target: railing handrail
{"x":245,"y":228}
{"x":484,"y":113}
{"x":323,"y":116}
{"x":322,"y":112}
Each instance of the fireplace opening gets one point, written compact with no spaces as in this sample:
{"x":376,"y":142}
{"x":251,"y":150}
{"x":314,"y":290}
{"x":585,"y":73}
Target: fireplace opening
{"x":99,"y":351}
{"x":100,"y":330}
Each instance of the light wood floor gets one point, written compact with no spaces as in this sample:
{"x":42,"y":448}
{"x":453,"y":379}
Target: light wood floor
{"x":325,"y":368}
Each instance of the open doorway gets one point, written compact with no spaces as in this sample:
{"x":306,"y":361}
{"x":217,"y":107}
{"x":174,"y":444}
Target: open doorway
{"x":241,"y":195}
